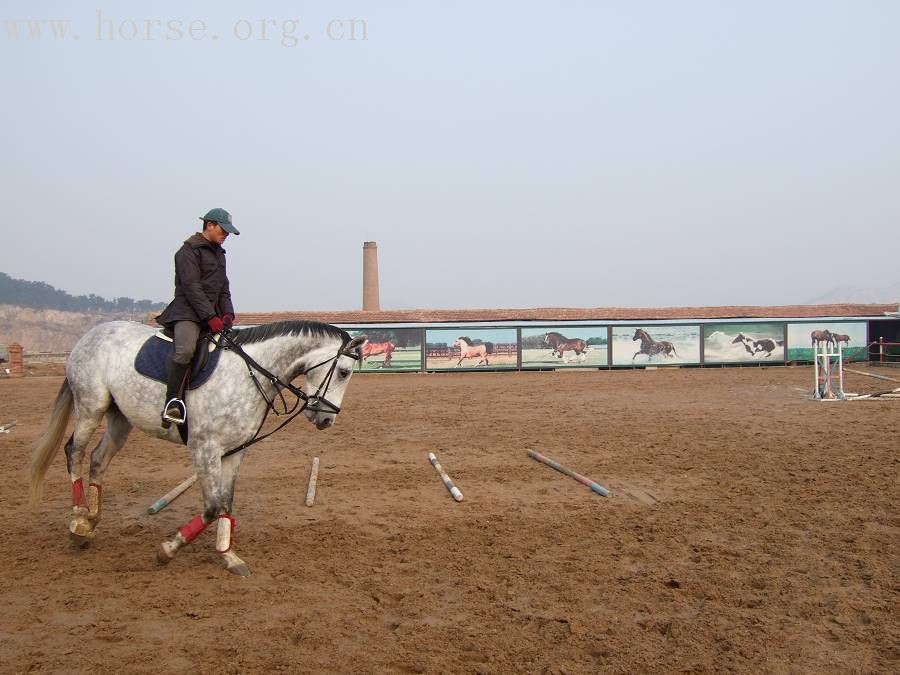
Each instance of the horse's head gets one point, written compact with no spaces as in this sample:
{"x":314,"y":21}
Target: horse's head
{"x":740,"y":338}
{"x":327,"y":375}
{"x":638,"y":334}
{"x":548,"y":339}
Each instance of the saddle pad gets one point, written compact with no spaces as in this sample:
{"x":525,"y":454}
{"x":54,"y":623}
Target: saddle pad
{"x":151,"y":361}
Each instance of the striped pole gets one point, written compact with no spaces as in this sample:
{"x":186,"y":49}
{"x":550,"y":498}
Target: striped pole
{"x":457,"y":495}
{"x":596,"y":487}
{"x":313,"y":478}
{"x":171,"y":495}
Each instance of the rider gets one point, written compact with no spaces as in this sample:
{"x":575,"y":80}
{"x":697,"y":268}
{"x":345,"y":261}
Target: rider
{"x":202,"y":298}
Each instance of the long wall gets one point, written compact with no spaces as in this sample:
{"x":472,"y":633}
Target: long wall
{"x":621,"y":344}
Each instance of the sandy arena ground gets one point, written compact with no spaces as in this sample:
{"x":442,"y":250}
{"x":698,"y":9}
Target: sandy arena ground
{"x":750,"y":529}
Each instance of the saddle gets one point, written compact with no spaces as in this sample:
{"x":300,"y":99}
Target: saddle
{"x":153,"y":354}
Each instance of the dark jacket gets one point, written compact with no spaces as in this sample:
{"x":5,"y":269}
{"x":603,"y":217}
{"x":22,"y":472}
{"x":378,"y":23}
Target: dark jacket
{"x":201,"y":284}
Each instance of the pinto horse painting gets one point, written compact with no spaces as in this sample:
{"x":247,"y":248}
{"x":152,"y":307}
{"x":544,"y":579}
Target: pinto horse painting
{"x":652,"y":347}
{"x":560,"y":344}
{"x":767,"y":345}
{"x":469,"y":350}
{"x":376,"y":348}
{"x":225,"y":414}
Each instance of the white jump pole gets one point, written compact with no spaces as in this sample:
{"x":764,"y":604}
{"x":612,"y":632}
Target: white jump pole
{"x":840,"y":367}
{"x":448,"y":483}
{"x":817,"y":392}
{"x":313,"y":479}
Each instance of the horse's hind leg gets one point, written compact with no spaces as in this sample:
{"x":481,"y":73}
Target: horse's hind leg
{"x":86,"y":423}
{"x":117,"y":429}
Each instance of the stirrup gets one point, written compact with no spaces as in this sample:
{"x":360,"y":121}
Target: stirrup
{"x":173,"y":418}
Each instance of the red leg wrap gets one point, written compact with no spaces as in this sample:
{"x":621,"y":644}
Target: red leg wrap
{"x":192,"y":529}
{"x":78,"y":493}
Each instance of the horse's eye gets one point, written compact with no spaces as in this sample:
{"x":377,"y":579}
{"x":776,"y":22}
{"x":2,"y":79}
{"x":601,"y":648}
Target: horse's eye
{"x":343,"y":373}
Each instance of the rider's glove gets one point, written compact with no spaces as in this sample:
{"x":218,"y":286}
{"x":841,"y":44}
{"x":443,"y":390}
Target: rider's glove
{"x":215,"y":324}
{"x":228,"y":320}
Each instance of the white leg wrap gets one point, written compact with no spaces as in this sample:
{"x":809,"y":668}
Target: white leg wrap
{"x":224,"y":533}
{"x":93,"y":501}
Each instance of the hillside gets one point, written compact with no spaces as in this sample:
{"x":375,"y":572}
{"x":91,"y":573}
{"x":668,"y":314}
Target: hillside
{"x":51,"y":330}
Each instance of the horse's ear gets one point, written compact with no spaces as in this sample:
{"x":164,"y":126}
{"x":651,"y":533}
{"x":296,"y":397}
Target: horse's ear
{"x":356,"y":342}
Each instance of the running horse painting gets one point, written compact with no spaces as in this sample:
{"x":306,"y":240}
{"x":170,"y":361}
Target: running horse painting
{"x":225,"y":414}
{"x":560,"y":344}
{"x":754,"y":347}
{"x":469,"y":350}
{"x":652,"y":347}
{"x":376,"y":348}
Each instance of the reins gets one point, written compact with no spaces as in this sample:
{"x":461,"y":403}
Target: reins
{"x":314,"y":402}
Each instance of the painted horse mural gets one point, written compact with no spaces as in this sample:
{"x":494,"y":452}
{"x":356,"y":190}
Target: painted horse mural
{"x":560,"y":344}
{"x":754,"y":347}
{"x":376,"y":348}
{"x":840,"y":337}
{"x":469,"y":350}
{"x":652,"y":347}
{"x":825,"y":336}
{"x":225,"y":414}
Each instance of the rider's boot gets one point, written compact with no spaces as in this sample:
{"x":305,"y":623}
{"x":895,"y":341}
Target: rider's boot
{"x":174,"y":410}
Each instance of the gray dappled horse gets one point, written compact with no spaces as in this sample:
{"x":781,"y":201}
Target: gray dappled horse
{"x":225,"y":413}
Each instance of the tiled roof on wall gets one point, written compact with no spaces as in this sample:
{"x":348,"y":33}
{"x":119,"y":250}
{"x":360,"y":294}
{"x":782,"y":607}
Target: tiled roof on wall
{"x":600,"y":314}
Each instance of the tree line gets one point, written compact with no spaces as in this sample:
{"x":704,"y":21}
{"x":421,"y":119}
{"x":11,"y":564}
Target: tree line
{"x":40,"y":295}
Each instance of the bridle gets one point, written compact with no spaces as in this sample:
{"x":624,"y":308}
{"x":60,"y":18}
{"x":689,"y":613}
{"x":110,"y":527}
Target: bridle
{"x":316,"y":402}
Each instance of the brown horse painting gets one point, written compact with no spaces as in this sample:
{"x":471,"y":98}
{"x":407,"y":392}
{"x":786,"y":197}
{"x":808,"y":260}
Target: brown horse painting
{"x":825,"y":336}
{"x":838,"y":337}
{"x":468,"y":350}
{"x":652,"y":347}
{"x":375,"y":348}
{"x":560,"y":344}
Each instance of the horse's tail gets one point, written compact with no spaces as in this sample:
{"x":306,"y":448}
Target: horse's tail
{"x":45,"y":446}
{"x":489,"y":347}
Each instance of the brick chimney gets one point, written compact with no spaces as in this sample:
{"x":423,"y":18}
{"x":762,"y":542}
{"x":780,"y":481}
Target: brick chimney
{"x":371,"y":302}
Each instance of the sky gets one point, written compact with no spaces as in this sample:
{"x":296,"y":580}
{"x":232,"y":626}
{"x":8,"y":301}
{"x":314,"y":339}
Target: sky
{"x":504,"y":154}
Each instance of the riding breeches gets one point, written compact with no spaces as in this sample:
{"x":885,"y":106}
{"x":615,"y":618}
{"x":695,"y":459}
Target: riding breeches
{"x":186,"y":335}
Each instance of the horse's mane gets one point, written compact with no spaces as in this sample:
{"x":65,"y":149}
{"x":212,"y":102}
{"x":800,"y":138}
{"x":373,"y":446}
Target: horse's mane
{"x":468,"y":341}
{"x":559,"y":335}
{"x":267,"y":331}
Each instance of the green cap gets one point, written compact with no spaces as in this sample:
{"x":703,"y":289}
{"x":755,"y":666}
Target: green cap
{"x":222,"y":217}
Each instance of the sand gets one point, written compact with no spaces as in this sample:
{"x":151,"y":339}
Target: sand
{"x":749,"y":529}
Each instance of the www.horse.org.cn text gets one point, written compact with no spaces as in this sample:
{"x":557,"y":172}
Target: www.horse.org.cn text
{"x":110,"y":28}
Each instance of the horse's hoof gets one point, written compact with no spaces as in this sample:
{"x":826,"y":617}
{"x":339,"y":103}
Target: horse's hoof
{"x":78,"y":541}
{"x":240,"y":570}
{"x":235,"y":565}
{"x":81,"y":528}
{"x":163,"y":556}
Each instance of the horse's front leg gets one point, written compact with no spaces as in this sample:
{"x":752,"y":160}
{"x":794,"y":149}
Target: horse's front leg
{"x":225,"y":531}
{"x":216,"y":479}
